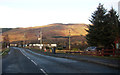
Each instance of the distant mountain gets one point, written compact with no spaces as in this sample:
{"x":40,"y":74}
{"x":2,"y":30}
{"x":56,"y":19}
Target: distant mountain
{"x":51,"y":31}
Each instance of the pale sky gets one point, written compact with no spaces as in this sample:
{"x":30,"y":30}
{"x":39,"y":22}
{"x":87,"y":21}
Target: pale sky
{"x":30,"y":13}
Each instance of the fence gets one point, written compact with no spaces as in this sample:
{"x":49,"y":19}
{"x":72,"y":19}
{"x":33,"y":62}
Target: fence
{"x":103,"y":52}
{"x":110,"y":52}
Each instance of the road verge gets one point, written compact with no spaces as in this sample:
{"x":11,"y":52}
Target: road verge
{"x":5,"y":51}
{"x":68,"y":56}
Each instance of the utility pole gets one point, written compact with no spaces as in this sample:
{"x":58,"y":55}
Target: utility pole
{"x":40,"y":38}
{"x":24,"y":40}
{"x":69,"y":41}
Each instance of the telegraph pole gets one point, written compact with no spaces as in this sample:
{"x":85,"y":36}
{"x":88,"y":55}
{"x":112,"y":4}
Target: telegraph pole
{"x":40,"y":38}
{"x":24,"y":39}
{"x":69,"y":41}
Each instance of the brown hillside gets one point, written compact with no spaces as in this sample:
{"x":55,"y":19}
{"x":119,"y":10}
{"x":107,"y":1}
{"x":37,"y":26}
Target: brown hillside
{"x":49,"y":31}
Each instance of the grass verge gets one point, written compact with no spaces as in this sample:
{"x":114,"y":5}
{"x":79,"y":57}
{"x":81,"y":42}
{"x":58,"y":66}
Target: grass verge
{"x":5,"y":51}
{"x":77,"y":54}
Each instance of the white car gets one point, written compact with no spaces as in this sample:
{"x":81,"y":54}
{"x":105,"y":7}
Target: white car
{"x":92,"y":48}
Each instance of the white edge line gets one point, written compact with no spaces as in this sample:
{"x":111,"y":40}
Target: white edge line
{"x":43,"y":71}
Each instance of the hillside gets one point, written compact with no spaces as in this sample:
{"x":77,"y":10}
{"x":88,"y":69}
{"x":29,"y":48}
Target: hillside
{"x":49,"y":31}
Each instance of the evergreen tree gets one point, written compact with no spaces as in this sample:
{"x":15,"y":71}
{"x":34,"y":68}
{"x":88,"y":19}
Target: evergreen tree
{"x":119,"y":30}
{"x":104,"y":28}
{"x":95,"y":32}
{"x":119,"y":26}
{"x":111,"y":28}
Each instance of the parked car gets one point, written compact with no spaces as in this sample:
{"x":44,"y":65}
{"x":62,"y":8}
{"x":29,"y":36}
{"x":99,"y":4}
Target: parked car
{"x":92,"y":48}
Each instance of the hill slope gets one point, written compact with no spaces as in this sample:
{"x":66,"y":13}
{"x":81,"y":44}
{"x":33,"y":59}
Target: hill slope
{"x":49,"y":31}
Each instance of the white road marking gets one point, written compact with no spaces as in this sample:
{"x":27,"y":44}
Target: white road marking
{"x":28,"y":57}
{"x":25,"y":55}
{"x":34,"y":62}
{"x":43,"y":71}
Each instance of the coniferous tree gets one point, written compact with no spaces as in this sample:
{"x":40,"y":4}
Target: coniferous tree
{"x":111,"y":28}
{"x":119,"y":30}
{"x":95,"y":32}
{"x":119,"y":25}
{"x":104,"y":28}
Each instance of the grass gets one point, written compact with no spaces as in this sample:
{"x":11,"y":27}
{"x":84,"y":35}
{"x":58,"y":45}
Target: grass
{"x":108,"y":57}
{"x":5,"y":51}
{"x":64,"y":52}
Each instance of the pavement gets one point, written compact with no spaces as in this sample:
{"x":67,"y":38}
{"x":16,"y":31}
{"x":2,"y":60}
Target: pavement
{"x":114,"y":63}
{"x":25,"y":61}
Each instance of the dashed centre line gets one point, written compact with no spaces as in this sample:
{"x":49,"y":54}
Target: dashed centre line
{"x":43,"y":71}
{"x":28,"y":57}
{"x":34,"y":62}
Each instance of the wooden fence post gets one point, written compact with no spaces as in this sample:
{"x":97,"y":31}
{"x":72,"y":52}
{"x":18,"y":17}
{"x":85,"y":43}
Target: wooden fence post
{"x":113,"y":52}
{"x":102,"y":52}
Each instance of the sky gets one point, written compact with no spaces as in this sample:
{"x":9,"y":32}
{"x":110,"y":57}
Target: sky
{"x":30,"y":13}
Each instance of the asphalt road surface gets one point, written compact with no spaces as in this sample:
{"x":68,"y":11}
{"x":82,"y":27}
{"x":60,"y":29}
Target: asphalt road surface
{"x":21,"y":60}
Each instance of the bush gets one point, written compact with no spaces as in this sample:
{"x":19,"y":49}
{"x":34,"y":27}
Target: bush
{"x":75,"y":49}
{"x":60,"y":48}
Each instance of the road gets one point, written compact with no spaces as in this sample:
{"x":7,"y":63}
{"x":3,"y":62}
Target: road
{"x":21,"y":60}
